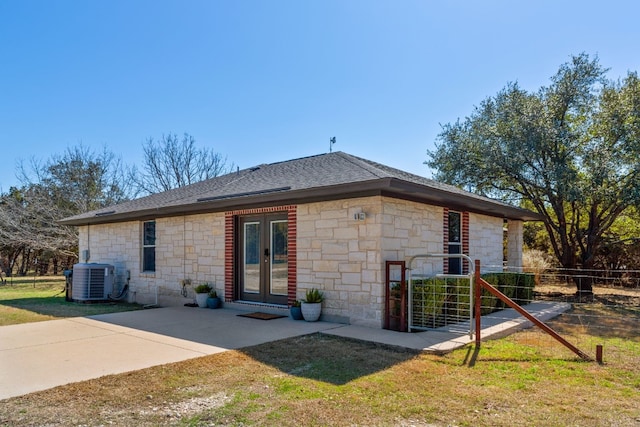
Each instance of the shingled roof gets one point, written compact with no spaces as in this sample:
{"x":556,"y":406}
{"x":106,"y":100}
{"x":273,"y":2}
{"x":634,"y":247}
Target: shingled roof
{"x":329,"y":176}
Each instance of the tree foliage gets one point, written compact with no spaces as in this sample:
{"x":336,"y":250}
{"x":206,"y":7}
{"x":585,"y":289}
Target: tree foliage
{"x":570,"y":150}
{"x":80,"y":180}
{"x":76,"y":181}
{"x":172,"y":162}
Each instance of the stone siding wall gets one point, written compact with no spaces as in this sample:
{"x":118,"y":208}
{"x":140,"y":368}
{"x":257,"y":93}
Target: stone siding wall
{"x":410,"y":229}
{"x":486,"y":240}
{"x":340,"y":255}
{"x":515,"y":244}
{"x":190,"y":247}
{"x":338,"y":251}
{"x":345,"y":257}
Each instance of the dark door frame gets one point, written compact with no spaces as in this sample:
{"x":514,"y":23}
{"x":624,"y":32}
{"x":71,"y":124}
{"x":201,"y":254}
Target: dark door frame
{"x":262,"y":258}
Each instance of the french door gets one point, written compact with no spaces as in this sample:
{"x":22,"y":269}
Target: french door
{"x":263,"y":258}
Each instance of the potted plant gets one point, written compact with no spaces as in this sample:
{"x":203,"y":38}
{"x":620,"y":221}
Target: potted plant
{"x":295,"y":311}
{"x":202,"y":293}
{"x":312,"y":305}
{"x":213,"y":301}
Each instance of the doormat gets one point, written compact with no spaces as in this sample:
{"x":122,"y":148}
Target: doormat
{"x":261,"y":316}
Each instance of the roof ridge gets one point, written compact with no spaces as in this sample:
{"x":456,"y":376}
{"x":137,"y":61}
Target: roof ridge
{"x":294,"y":160}
{"x":364,"y":164}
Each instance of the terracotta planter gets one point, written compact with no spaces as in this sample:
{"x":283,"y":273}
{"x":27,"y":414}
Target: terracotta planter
{"x":311,"y":311}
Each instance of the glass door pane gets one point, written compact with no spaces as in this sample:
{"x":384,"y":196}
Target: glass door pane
{"x":279,"y":263}
{"x":251,"y":258}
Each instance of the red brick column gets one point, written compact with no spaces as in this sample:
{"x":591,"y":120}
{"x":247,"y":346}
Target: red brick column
{"x":230,"y":250}
{"x":292,"y":254}
{"x":445,"y":238}
{"x":229,"y":255}
{"x":465,"y":241}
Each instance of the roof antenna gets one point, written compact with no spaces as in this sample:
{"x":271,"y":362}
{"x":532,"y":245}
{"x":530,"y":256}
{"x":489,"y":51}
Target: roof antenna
{"x":331,"y":142}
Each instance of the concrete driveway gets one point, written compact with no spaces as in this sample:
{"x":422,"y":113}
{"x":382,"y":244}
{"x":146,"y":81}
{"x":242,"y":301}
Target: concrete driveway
{"x":42,"y":355}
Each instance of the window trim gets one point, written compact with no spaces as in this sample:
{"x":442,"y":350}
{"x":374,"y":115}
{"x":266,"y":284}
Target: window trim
{"x":146,"y":246}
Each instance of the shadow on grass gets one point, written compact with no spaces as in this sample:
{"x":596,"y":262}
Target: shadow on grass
{"x":329,"y":359}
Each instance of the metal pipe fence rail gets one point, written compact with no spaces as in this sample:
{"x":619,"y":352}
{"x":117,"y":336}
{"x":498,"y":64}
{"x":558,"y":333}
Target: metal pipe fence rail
{"x":606,"y":278}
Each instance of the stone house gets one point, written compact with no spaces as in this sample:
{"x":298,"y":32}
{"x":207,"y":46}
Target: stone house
{"x":264,"y":235}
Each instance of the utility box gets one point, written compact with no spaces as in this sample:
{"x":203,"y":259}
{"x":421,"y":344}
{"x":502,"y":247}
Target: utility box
{"x":92,"y":282}
{"x":68,"y":275}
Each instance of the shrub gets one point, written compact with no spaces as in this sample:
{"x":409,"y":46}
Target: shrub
{"x":437,"y":302}
{"x":314,"y":296}
{"x":204,"y":288}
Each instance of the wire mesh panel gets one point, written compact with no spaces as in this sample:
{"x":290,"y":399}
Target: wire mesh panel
{"x":440,"y":301}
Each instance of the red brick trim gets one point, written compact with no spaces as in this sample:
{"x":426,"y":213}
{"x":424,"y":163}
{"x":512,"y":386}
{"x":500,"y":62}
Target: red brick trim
{"x":229,"y":256}
{"x":292,"y":254}
{"x":230,"y":224}
{"x":445,"y":238}
{"x":262,"y":210}
{"x":465,"y":241}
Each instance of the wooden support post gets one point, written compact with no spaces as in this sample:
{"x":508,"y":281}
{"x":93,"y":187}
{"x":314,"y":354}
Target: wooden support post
{"x":477,"y":297}
{"x":599,"y":353}
{"x":533,"y":320}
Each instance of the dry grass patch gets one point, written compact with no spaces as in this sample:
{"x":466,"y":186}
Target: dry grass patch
{"x":322,"y":380}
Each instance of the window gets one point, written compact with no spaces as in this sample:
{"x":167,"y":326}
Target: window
{"x":149,"y":246}
{"x":455,"y":243}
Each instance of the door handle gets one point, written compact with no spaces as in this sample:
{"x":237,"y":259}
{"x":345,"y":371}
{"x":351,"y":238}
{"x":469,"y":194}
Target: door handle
{"x":266,"y":252}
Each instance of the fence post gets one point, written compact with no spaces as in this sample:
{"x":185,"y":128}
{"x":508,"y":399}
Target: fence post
{"x":477,"y":296}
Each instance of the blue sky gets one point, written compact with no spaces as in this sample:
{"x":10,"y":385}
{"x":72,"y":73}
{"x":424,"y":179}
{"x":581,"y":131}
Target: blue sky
{"x":265,"y":81}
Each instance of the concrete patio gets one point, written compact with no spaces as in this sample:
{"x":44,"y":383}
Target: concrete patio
{"x":42,"y":355}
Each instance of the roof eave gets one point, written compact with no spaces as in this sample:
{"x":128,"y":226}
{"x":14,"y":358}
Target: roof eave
{"x":391,"y":187}
{"x":440,"y":197}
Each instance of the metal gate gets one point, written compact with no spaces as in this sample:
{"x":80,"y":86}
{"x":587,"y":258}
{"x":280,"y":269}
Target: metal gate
{"x":441,"y":301}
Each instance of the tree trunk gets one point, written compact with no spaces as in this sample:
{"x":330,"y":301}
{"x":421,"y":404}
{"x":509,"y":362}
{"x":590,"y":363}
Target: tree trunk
{"x":584,"y":286}
{"x":584,"y":282}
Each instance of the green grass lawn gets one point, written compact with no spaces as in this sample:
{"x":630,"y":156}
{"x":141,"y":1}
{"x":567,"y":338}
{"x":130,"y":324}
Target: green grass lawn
{"x":24,"y":300}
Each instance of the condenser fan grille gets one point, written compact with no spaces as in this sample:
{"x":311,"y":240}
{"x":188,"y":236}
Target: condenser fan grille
{"x":92,"y":282}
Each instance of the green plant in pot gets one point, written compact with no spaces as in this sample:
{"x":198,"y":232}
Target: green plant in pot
{"x":296,"y":311}
{"x":312,"y":305}
{"x":202,"y":293}
{"x":213,"y":301}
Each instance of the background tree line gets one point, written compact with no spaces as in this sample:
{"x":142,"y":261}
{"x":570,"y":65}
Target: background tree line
{"x":79,"y":180}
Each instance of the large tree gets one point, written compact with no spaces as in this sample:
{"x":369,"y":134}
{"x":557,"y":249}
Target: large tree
{"x":172,"y":162}
{"x":76,"y":181}
{"x":571,"y":150}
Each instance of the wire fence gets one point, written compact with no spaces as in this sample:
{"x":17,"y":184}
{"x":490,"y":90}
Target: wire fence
{"x":609,"y":317}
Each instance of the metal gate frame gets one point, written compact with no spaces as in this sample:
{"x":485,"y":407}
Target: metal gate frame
{"x":470,"y":276}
